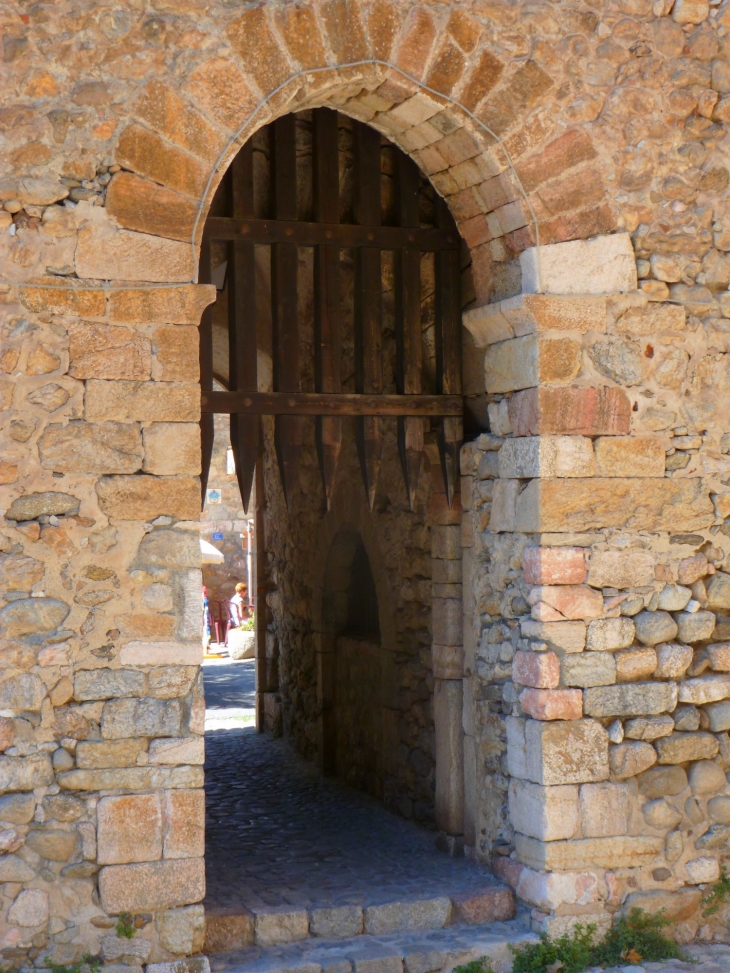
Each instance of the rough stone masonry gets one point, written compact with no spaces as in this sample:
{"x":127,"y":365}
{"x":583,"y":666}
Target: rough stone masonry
{"x":582,"y":682}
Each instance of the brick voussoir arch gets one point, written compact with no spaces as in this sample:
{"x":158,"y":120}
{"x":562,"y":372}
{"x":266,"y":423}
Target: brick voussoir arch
{"x":423,"y":80}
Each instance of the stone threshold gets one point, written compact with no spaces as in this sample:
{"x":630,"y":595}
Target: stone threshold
{"x":419,"y":951}
{"x":229,"y":929}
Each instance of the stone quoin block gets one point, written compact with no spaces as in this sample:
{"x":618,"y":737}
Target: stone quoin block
{"x":561,"y":636}
{"x":604,"y":265}
{"x":573,"y":752}
{"x":521,"y":363}
{"x":541,"y":670}
{"x":615,"y":852}
{"x":148,"y":497}
{"x":570,"y":412}
{"x":552,"y":704}
{"x":548,"y":813}
{"x":546,"y":456}
{"x":129,"y":829}
{"x":619,"y":569}
{"x":629,"y":456}
{"x":141,"y":402}
{"x":526,"y":314}
{"x":571,"y":602}
{"x":152,"y":886}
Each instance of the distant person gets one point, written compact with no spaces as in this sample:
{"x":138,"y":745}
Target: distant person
{"x":238,"y":606}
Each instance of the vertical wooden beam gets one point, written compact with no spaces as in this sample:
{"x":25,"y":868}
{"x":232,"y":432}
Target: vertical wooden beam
{"x":327,"y":311}
{"x":289,"y":430}
{"x":368,"y":303}
{"x":206,"y":372}
{"x":448,"y":348}
{"x":242,"y":344}
{"x":260,"y":585}
{"x":409,"y":341}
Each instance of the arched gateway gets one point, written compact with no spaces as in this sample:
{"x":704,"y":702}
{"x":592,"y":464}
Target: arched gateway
{"x":565,"y":601}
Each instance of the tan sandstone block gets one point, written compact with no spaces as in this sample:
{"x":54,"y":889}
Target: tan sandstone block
{"x":87,"y":447}
{"x":152,"y":886}
{"x":635,"y":664}
{"x":128,"y":255}
{"x":613,"y":852}
{"x":142,"y":401}
{"x":108,"y":351}
{"x":146,"y":626}
{"x":148,"y":497}
{"x":584,"y":505}
{"x":161,"y":653}
{"x":521,"y":363}
{"x":546,"y":456}
{"x":572,"y":601}
{"x":64,"y":298}
{"x":630,"y":456}
{"x":129,"y":829}
{"x":176,"y":354}
{"x":102,"y":754}
{"x":184,"y":831}
{"x":604,"y":810}
{"x":548,"y":813}
{"x":529,"y":313}
{"x":570,"y":412}
{"x":572,"y":752}
{"x":147,"y":154}
{"x":621,"y":569}
{"x":171,"y":448}
{"x":164,"y":305}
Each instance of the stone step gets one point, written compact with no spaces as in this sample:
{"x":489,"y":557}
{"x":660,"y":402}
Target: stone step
{"x":238,"y":928}
{"x":419,"y":951}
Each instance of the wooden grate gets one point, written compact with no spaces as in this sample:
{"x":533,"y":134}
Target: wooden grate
{"x":241,"y":230}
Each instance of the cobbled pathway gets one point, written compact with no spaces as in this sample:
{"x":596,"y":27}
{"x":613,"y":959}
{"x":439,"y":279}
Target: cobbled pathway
{"x":278,"y":833}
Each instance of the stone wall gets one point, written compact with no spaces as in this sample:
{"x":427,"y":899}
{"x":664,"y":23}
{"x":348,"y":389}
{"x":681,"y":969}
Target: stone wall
{"x":117,"y":128}
{"x":598,"y":647}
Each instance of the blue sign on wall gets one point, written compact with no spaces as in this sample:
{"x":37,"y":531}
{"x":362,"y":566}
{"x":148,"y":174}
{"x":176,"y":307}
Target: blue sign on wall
{"x":217,"y":536}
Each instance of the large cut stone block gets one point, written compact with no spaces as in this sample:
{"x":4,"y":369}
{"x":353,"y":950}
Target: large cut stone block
{"x":572,"y":752}
{"x":630,"y":699}
{"x":141,"y":401}
{"x":573,"y":602}
{"x":171,"y":448}
{"x":614,"y":852}
{"x":630,"y":456}
{"x":548,"y":813}
{"x":678,"y":748}
{"x":552,"y":704}
{"x":609,"y":634}
{"x":562,"y":636}
{"x":605,"y":264}
{"x":184,"y":812}
{"x":546,"y":456}
{"x":422,"y":913}
{"x":132,"y":256}
{"x":521,"y":363}
{"x":152,"y":886}
{"x":161,"y":653}
{"x":570,"y":412}
{"x":541,"y":670}
{"x":604,"y":810}
{"x":147,"y":497}
{"x":586,"y":669}
{"x":554,"y":565}
{"x":495,"y":903}
{"x":621,"y":569}
{"x":87,"y":447}
{"x":583,"y":505}
{"x":100,"y":754}
{"x":706,"y":689}
{"x":173,"y":305}
{"x":129,"y":829}
{"x":530,"y":313}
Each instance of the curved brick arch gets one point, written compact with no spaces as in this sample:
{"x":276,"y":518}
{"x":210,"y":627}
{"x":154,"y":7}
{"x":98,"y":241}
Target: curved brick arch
{"x":428,"y":80}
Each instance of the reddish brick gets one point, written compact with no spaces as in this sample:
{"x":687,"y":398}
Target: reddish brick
{"x":447,"y":69}
{"x":482,"y":78}
{"x":415,"y":46}
{"x":168,"y":114}
{"x":540,"y":670}
{"x":458,"y":147}
{"x":252,"y":40}
{"x":139,"y":204}
{"x":563,"y":153}
{"x":220,"y":87}
{"x":552,"y":704}
{"x":523,"y":91}
{"x":345,"y":30}
{"x":298,"y":26}
{"x":475,"y":230}
{"x":464,"y":29}
{"x":570,"y":412}
{"x":554,"y":565}
{"x":495,"y":904}
{"x":578,"y":189}
{"x":383,"y":25}
{"x":464,"y":205}
{"x":497,"y":191}
{"x":148,"y":155}
{"x":578,"y":226}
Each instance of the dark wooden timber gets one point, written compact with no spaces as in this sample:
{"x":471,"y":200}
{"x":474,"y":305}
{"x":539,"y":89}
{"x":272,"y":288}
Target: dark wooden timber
{"x":408,"y":328}
{"x":242,"y":324}
{"x":238,"y":225}
{"x":206,"y":373}
{"x":289,"y":431}
{"x":332,"y":234}
{"x":368,"y":303}
{"x":448,"y":350}
{"x":327,"y":304}
{"x":329,"y":404}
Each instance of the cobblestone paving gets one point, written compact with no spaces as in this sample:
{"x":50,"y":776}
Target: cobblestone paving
{"x":278,"y":833}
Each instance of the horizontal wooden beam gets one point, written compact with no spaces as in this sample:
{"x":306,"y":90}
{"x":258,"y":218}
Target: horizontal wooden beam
{"x":338,"y":234}
{"x":330,"y":404}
